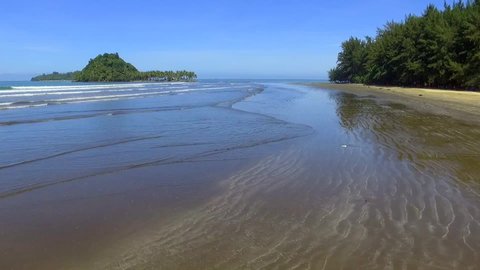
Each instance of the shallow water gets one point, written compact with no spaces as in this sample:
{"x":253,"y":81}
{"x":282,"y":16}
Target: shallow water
{"x":233,"y":176}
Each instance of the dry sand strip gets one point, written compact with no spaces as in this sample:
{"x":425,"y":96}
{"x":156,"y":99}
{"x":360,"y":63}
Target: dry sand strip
{"x":462,"y":105}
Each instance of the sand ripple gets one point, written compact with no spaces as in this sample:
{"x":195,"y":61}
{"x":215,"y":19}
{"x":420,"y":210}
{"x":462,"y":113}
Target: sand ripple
{"x":402,"y":195}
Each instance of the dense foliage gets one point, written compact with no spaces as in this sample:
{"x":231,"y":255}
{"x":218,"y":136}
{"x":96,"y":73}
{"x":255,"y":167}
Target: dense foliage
{"x":112,"y":68}
{"x":109,"y":67}
{"x":56,"y":76}
{"x":439,"y":49}
{"x":170,"y":76}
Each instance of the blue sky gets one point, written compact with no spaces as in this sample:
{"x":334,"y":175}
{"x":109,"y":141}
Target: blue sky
{"x":217,"y":39}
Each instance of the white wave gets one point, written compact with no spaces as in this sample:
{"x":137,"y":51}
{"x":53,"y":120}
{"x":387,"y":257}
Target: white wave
{"x":32,"y":94}
{"x":25,"y":91}
{"x":141,"y":93}
{"x":22,"y":93}
{"x":25,"y":106}
{"x":92,"y":86}
{"x":89,"y":91}
{"x":73,"y":87}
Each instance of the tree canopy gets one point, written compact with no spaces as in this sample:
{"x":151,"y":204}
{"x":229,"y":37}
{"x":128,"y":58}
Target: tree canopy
{"x":109,"y":67}
{"x":56,"y":76}
{"x":440,"y":48}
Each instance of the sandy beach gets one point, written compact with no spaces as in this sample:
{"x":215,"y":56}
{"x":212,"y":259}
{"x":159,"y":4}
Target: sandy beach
{"x":462,"y":105}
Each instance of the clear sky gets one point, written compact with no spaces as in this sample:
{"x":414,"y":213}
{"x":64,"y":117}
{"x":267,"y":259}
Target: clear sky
{"x":217,"y":39}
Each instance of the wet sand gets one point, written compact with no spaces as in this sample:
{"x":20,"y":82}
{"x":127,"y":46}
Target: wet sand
{"x":463,"y":105}
{"x":298,"y":179}
{"x":391,"y":189}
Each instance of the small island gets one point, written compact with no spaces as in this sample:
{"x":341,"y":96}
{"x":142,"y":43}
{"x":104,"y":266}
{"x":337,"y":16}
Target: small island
{"x":110,"y":67}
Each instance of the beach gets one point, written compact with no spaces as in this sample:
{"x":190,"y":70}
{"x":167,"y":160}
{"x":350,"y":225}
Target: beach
{"x":463,"y":105}
{"x":238,"y":175}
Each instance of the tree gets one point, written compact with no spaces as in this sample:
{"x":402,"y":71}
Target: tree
{"x":438,"y":49}
{"x":351,"y":62}
{"x":56,"y":76}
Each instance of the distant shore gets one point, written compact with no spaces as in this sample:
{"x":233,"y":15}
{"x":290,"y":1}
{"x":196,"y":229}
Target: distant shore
{"x":462,"y":105}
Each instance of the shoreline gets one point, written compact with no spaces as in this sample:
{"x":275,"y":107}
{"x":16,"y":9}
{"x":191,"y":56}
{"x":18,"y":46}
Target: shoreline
{"x":185,"y":182}
{"x":461,"y":105}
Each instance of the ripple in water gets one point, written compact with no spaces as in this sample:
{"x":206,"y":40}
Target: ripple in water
{"x":235,"y":177}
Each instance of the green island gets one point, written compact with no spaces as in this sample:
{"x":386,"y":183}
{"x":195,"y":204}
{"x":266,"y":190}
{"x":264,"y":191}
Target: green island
{"x":56,"y":76}
{"x":439,"y":49}
{"x":110,"y":67}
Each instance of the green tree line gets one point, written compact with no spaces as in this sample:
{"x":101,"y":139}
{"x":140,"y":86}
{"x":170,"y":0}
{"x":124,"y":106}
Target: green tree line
{"x":56,"y":76}
{"x":171,"y":76}
{"x":439,"y":49}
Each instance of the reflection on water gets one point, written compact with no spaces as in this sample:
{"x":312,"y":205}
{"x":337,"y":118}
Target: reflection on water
{"x":425,"y":140}
{"x":237,"y":178}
